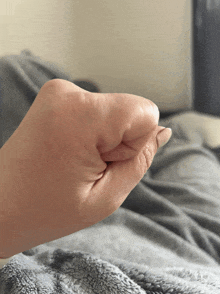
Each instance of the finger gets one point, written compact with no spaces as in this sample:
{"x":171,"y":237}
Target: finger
{"x":120,"y":178}
{"x":127,"y":150}
{"x":127,"y":121}
{"x":163,"y":137}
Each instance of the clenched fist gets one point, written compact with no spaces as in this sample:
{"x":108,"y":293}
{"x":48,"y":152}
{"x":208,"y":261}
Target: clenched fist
{"x":72,"y":162}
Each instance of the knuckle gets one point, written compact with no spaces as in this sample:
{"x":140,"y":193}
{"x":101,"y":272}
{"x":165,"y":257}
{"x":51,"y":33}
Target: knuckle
{"x":54,"y":84}
{"x":152,"y":109}
{"x":51,"y":90}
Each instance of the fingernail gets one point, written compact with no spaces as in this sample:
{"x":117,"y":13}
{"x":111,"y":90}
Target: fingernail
{"x":163,"y":137}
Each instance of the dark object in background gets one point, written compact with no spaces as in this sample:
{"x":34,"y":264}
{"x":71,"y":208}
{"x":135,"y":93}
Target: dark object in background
{"x":206,"y":35}
{"x":87,"y":85}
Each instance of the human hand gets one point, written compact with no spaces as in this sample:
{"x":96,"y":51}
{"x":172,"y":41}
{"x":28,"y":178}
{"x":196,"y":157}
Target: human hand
{"x":74,"y":159}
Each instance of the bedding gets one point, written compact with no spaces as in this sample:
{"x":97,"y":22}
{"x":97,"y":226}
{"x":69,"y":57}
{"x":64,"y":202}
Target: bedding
{"x":165,"y":238}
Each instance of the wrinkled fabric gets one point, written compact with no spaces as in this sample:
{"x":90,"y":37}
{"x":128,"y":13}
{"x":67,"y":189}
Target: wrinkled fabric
{"x":59,"y":271}
{"x":164,"y":239}
{"x":183,"y":189}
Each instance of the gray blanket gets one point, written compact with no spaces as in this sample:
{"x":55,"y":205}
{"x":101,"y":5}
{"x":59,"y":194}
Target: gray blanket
{"x":164,"y":239}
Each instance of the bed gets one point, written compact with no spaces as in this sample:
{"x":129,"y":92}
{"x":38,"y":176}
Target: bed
{"x":165,"y":238}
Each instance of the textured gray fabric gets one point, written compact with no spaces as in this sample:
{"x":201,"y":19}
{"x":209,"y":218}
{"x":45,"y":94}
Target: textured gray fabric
{"x":61,"y":271}
{"x":164,"y":239}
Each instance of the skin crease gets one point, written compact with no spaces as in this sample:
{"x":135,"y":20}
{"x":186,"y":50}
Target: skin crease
{"x":72,"y":162}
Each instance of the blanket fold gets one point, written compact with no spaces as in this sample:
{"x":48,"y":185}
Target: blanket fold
{"x":59,"y":271}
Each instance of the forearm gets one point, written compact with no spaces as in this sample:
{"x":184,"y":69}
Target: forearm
{"x":15,"y":223}
{"x":27,"y":204}
{"x":4,"y":204}
{"x":7,"y":205}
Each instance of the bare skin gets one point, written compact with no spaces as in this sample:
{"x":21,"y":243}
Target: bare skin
{"x":72,"y":162}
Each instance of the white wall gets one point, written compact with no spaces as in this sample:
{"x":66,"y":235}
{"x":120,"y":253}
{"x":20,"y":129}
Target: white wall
{"x":43,"y":26}
{"x":141,"y":47}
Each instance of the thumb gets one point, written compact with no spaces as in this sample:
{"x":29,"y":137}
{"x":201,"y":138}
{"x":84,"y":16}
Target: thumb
{"x":126,"y":150}
{"x":122,"y":175}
